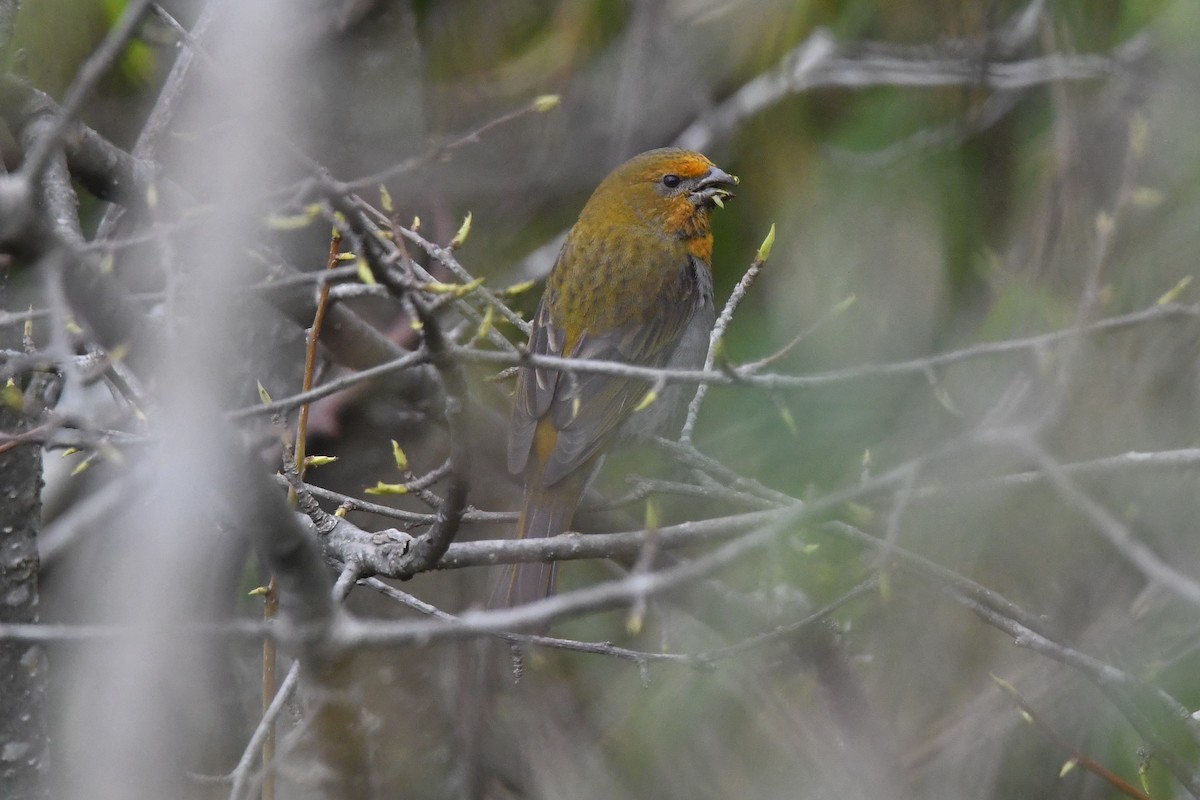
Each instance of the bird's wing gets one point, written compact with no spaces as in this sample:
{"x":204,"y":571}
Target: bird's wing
{"x":535,"y":387}
{"x":586,"y":409}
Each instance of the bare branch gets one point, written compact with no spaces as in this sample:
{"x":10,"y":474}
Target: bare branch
{"x":820,"y":61}
{"x":1126,"y":692}
{"x":8,"y":20}
{"x":443,"y":149}
{"x":165,"y":108}
{"x":1118,"y":535}
{"x":284,"y":404}
{"x":38,"y":157}
{"x":244,"y":781}
{"x":572,"y":546}
{"x":717,"y":335}
{"x":912,"y":367}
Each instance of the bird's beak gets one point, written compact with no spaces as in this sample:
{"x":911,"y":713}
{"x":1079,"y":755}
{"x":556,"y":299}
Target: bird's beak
{"x":714,"y":188}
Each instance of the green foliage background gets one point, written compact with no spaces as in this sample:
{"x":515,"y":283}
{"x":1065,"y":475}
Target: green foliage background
{"x":986,"y":234}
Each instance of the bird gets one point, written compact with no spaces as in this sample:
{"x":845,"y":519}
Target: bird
{"x":633,"y":284}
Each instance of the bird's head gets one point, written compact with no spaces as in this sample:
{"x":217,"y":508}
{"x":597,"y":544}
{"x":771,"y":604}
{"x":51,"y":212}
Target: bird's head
{"x":672,"y":189}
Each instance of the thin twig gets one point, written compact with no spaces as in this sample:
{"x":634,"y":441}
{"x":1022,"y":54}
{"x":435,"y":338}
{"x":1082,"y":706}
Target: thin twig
{"x":696,"y":660}
{"x":820,"y":61}
{"x":911,"y":367}
{"x":440,"y":150}
{"x":1078,"y":757}
{"x":165,"y":107}
{"x":38,"y":157}
{"x":430,"y":547}
{"x":745,"y":373}
{"x":718,"y":334}
{"x":1119,"y":686}
{"x":1107,"y":465}
{"x":446,"y":258}
{"x":1147,"y":562}
{"x":291,"y":402}
{"x":413,"y":518}
{"x":243,"y":778}
{"x":271,"y":607}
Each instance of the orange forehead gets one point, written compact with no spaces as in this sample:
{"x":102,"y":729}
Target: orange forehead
{"x":633,"y":194}
{"x":655,"y":163}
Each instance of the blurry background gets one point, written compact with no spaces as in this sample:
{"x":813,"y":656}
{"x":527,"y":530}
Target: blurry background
{"x":952,"y":174}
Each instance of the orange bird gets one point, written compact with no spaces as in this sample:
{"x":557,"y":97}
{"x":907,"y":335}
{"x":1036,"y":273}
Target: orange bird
{"x":632,"y":283}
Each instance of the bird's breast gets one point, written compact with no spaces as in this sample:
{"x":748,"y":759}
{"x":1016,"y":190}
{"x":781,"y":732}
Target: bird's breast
{"x":605,"y":281}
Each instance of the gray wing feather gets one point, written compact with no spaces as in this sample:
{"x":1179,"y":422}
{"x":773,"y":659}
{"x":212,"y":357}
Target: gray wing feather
{"x":589,"y":408}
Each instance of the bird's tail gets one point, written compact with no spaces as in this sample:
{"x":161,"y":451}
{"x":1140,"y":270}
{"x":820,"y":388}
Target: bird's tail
{"x":547,"y":511}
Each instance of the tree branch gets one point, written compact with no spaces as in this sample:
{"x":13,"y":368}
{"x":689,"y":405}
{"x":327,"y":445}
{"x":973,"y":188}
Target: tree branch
{"x":38,"y":158}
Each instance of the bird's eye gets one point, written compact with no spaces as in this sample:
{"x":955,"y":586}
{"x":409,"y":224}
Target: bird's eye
{"x":670,"y":181}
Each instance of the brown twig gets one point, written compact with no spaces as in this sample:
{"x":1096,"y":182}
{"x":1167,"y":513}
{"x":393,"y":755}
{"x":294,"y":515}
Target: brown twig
{"x":1078,"y":757}
{"x":272,"y":605}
